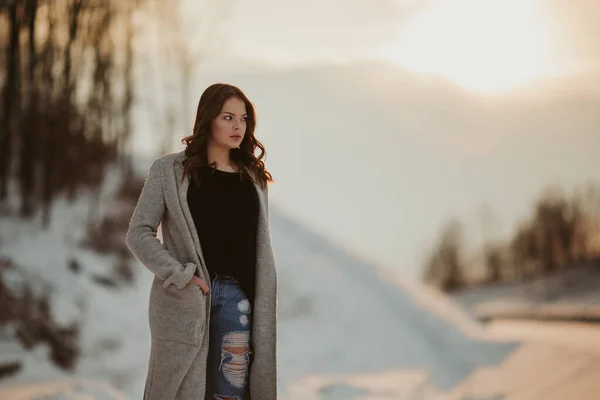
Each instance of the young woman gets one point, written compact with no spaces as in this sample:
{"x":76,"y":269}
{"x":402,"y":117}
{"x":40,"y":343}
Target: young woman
{"x":213,"y":300}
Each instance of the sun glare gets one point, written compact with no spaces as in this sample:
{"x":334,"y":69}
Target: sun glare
{"x":484,"y":45}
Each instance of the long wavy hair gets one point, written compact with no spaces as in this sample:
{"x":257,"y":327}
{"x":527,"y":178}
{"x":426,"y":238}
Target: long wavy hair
{"x":209,"y":107}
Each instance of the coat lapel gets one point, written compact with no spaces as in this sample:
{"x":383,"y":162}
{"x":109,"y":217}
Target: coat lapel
{"x":182,"y":188}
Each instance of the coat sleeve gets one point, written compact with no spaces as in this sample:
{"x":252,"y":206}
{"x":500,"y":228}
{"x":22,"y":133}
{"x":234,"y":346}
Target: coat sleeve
{"x":141,"y":236}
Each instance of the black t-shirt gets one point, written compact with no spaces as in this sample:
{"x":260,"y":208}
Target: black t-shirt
{"x":225,"y":212}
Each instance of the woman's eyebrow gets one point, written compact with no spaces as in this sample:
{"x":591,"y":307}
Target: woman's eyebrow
{"x":227,"y":112}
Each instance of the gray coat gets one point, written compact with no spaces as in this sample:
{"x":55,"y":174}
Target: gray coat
{"x":179,"y":313}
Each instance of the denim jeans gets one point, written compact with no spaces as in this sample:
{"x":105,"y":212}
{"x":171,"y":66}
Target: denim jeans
{"x":229,"y":354}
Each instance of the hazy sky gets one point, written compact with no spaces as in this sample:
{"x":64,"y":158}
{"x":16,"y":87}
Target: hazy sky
{"x":368,"y":148}
{"x":485,"y":45}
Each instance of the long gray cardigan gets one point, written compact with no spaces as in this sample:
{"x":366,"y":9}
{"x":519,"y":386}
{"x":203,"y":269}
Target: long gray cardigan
{"x":179,"y":313}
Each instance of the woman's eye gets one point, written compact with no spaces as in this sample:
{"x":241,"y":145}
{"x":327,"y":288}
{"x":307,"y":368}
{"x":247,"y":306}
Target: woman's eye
{"x":228,"y":118}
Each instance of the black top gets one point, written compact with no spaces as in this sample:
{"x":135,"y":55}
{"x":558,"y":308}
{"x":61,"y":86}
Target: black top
{"x":225,"y":212}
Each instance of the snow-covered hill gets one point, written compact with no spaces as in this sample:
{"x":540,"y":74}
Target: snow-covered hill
{"x":340,"y":315}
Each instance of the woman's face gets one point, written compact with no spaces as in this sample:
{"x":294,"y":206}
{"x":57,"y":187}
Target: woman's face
{"x":229,"y":127}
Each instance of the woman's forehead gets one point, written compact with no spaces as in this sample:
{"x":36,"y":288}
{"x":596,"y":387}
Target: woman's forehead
{"x":234,"y":106}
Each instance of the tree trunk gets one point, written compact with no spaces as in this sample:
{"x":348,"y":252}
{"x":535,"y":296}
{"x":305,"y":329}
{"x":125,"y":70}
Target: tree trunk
{"x":29,"y":141}
{"x":11,"y":92}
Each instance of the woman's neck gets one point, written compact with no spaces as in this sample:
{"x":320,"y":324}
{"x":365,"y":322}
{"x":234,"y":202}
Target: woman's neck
{"x":220,"y":156}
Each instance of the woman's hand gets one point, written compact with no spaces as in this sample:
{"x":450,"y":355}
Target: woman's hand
{"x":199,"y":282}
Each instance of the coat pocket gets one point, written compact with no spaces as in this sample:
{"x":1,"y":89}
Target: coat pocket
{"x":177,"y":315}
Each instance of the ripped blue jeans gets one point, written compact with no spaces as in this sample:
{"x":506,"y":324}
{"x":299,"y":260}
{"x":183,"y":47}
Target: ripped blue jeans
{"x":230,"y":344}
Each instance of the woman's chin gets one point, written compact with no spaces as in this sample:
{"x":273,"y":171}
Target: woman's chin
{"x":229,"y":145}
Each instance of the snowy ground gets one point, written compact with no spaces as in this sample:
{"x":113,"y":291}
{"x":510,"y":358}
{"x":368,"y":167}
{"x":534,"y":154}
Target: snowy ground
{"x":348,"y":329}
{"x":114,"y":336}
{"x":64,"y":389}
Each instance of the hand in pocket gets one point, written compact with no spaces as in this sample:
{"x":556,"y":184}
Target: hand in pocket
{"x":199,"y":282}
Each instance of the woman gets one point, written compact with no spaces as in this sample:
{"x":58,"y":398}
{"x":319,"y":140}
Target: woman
{"x":213,"y":300}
